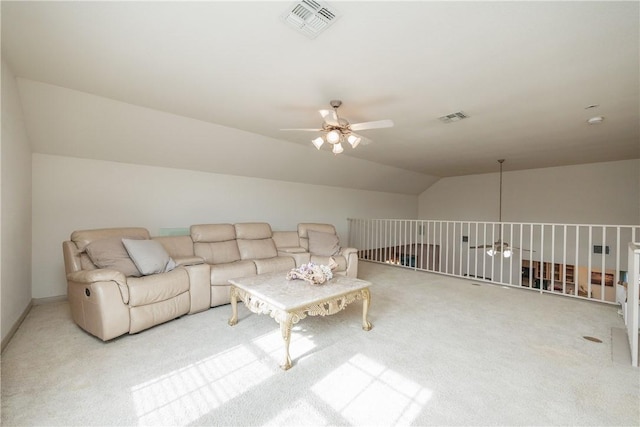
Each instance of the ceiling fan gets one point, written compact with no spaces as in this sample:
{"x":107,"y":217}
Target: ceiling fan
{"x":336,"y":130}
{"x":499,"y":247}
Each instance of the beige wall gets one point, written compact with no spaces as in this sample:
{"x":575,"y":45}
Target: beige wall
{"x":15,"y":252}
{"x":597,"y":193}
{"x":71,"y":193}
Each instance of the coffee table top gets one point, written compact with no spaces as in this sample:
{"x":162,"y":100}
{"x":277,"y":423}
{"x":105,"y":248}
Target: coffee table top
{"x":288,"y":295}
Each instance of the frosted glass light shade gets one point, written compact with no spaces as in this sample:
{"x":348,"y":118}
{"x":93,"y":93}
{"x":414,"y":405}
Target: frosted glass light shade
{"x":337,"y":148}
{"x":507,"y":253}
{"x":318,"y":142}
{"x":354,"y":140}
{"x":333,"y":137}
{"x":491,"y":252}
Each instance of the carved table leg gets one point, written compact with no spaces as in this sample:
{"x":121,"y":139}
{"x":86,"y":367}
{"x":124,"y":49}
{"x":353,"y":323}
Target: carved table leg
{"x":366,"y":325}
{"x":285,"y":329}
{"x":234,"y":307}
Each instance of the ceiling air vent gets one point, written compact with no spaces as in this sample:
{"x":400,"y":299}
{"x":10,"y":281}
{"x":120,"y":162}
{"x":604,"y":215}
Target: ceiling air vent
{"x":310,"y":17}
{"x":453,"y":117}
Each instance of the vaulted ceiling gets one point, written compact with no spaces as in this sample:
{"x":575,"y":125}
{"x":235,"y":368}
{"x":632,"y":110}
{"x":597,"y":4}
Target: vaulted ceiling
{"x":528,"y":74}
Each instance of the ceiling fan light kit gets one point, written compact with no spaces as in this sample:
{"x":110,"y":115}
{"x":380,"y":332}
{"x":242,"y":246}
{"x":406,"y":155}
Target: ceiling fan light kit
{"x":499,"y":247}
{"x":336,"y":130}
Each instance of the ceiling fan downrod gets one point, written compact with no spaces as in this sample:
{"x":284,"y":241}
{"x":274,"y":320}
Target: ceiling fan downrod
{"x":501,"y":161}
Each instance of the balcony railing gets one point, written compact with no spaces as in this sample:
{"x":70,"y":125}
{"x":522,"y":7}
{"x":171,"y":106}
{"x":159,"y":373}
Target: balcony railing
{"x":574,"y":260}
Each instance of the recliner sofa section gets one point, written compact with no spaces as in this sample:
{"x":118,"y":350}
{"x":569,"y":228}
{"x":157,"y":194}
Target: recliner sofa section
{"x":236,"y":250}
{"x":112,"y":301}
{"x":108,"y":302}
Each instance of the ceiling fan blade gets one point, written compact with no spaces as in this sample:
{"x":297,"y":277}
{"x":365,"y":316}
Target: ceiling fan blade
{"x":515,"y":248}
{"x":309,"y":130}
{"x":378,"y":124}
{"x":330,"y":117}
{"x":363,"y":139}
{"x":481,"y":247}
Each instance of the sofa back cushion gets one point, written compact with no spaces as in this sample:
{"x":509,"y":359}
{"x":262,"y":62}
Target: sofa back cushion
{"x":83,"y":237}
{"x":211,"y":233}
{"x":323,"y":244}
{"x":255,"y":240}
{"x":253,"y":230}
{"x":257,"y":249}
{"x":304,"y":227}
{"x":177,"y":246}
{"x":110,"y":253}
{"x":286,"y":239}
{"x":80,"y":239}
{"x":215,"y":243}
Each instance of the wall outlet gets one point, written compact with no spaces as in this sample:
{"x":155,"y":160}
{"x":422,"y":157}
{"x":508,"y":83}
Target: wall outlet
{"x":465,"y":238}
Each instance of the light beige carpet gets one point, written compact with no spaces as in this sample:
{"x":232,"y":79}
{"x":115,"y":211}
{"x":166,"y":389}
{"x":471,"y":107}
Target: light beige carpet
{"x":441,"y":352}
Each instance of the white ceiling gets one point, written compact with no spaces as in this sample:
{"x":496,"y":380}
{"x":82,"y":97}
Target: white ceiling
{"x":523,"y":71}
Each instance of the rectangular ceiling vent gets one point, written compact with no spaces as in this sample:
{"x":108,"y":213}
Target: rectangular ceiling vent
{"x":310,"y":17}
{"x":453,"y":117}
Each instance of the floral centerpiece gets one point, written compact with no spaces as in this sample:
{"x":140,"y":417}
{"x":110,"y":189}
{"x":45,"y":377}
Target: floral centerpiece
{"x":313,"y":273}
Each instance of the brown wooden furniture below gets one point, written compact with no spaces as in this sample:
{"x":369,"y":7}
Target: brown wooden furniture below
{"x":565,"y":277}
{"x":418,"y":255}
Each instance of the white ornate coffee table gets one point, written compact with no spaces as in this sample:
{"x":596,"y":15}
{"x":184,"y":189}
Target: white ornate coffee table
{"x":289,"y":301}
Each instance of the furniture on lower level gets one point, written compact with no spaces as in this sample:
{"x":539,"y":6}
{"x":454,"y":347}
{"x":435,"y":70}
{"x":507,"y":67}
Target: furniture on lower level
{"x":415,"y":255}
{"x":565,"y":277}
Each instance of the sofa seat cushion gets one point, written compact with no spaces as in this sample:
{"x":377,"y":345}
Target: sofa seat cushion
{"x":324,"y":260}
{"x":221,"y":273}
{"x":279,"y":263}
{"x":292,"y":249}
{"x":257,"y":249}
{"x":157,"y":287}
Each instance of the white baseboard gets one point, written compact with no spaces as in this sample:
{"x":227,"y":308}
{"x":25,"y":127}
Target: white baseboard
{"x":47,"y":300}
{"x":34,"y":301}
{"x":15,"y":326}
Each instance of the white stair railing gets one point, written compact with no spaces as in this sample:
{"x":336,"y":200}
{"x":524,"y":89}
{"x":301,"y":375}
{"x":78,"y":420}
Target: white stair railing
{"x":575,"y":260}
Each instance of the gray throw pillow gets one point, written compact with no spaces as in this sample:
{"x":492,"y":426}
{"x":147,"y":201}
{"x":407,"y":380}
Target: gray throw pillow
{"x":149,"y":256}
{"x":323,"y":244}
{"x":110,"y":253}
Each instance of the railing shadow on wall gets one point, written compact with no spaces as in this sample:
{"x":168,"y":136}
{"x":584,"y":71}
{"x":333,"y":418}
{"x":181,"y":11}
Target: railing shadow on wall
{"x":575,"y":260}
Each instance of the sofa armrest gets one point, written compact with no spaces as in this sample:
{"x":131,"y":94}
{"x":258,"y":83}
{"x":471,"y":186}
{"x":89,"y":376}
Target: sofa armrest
{"x":99,"y":275}
{"x":88,"y":277}
{"x":191,"y":260}
{"x":97,"y":307}
{"x":351,"y":255}
{"x":199,"y":286}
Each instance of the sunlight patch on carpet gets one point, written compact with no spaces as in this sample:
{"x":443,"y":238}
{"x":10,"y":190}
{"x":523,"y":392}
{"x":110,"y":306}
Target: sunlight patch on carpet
{"x":299,"y":413}
{"x":372,"y":394}
{"x":182,"y":396}
{"x":273,"y":344}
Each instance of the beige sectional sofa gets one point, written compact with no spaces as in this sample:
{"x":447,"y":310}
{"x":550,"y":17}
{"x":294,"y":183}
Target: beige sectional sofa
{"x":122,"y":280}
